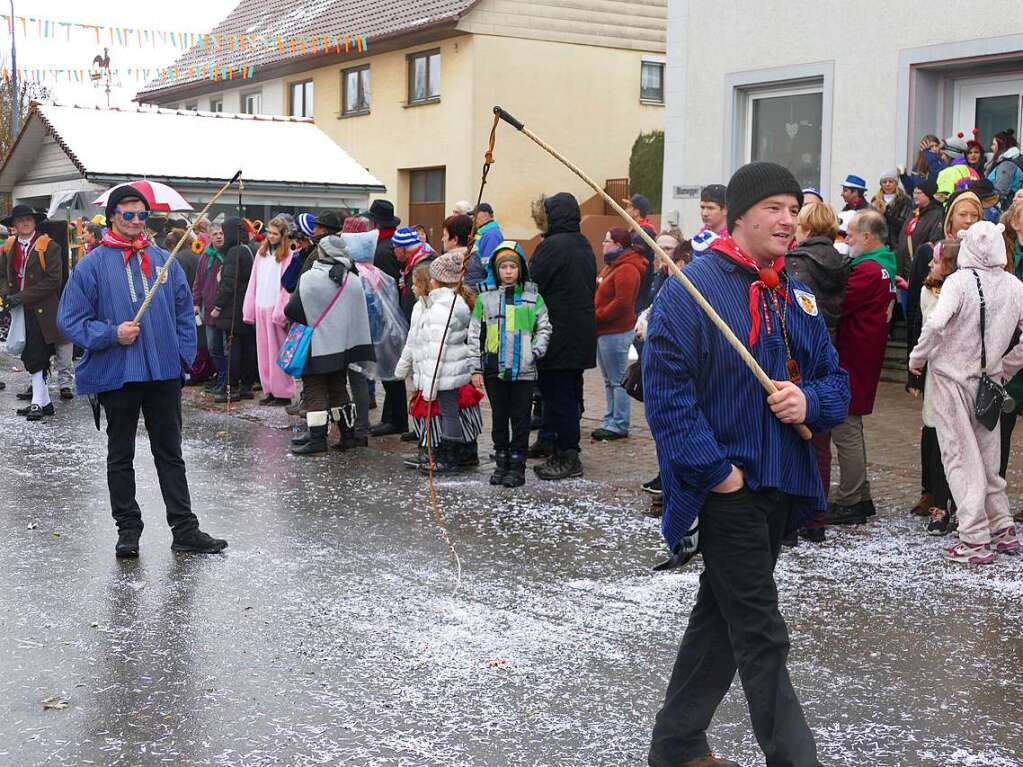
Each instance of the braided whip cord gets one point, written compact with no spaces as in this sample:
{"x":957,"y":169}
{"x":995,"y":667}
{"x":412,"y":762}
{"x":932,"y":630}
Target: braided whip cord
{"x":437,"y":515}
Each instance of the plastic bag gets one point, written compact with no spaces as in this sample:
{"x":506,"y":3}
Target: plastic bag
{"x":16,"y":334}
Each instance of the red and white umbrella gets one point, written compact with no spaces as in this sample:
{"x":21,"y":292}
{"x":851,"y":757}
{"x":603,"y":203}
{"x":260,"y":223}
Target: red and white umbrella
{"x":161,"y":198}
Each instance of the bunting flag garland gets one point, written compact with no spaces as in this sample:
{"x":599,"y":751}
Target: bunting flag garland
{"x":322,"y":43}
{"x":164,"y":74}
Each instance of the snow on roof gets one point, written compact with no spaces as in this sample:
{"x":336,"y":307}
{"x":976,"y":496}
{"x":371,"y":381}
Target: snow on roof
{"x":146,"y":142}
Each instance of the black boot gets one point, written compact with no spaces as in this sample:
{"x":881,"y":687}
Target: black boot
{"x":127,"y":544}
{"x":469,"y":455}
{"x":245,"y":392}
{"x":301,"y":439}
{"x":501,"y":459}
{"x":516,"y":474}
{"x":317,"y":442}
{"x":445,"y":458}
{"x":198,"y":542}
{"x":541,"y":449}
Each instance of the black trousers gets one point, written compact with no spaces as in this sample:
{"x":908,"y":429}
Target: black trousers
{"x":562,"y":392}
{"x":395,"y":409}
{"x":735,"y":624}
{"x":934,"y":469}
{"x":242,"y":363}
{"x":1008,"y":423}
{"x":160,"y":405}
{"x":511,"y":402}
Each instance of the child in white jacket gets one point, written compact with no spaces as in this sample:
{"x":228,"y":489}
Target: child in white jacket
{"x":438,"y":374}
{"x":949,"y":346}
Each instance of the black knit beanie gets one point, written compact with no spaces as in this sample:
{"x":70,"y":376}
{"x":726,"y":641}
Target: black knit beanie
{"x":118,"y":196}
{"x":754,"y":182}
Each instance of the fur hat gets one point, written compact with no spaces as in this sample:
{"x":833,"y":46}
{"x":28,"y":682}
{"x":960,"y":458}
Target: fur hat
{"x":756,"y":181}
{"x":447,"y":268}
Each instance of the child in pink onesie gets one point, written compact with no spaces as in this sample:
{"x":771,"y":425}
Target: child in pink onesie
{"x":264,"y":307}
{"x":950,"y":346}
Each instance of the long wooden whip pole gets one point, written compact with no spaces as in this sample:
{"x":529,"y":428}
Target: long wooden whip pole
{"x":663,"y":258}
{"x":161,"y":275}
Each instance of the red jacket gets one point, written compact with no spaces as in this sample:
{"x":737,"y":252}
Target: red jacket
{"x":617,"y":290}
{"x":862,"y":333}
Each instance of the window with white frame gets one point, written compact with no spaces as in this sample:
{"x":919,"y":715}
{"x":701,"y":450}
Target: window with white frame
{"x":300,"y":100}
{"x":192,"y":106}
{"x":651,"y":82}
{"x":784,"y":125}
{"x":252,"y":103}
{"x":216,"y":104}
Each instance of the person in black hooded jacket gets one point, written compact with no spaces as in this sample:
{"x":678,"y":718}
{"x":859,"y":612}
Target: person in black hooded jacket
{"x":564,"y":269}
{"x":242,"y":367}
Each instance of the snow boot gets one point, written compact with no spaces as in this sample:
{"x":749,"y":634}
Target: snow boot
{"x":501,"y":470}
{"x":445,"y":459}
{"x":317,"y":442}
{"x":515,"y":476}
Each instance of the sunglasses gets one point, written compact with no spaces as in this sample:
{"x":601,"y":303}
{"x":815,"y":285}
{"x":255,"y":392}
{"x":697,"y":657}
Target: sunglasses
{"x":130,"y":215}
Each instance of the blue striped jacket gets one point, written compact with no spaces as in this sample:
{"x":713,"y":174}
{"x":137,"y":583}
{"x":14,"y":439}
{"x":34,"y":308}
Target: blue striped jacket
{"x":706,"y":410}
{"x":99,"y":296}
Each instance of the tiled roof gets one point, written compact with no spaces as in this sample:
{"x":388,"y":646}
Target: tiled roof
{"x":374,"y":19}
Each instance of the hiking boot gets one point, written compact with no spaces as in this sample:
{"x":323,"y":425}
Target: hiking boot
{"x":968,"y":553}
{"x":606,"y":435}
{"x":564,"y":465}
{"x":540,"y":449}
{"x":710,"y":761}
{"x":813,"y":534}
{"x":515,"y":476}
{"x":25,"y":395}
{"x":501,"y":459}
{"x":127,"y":544}
{"x":940,"y":520}
{"x":66,"y":393}
{"x":653,"y":486}
{"x":36,"y":413}
{"x":845,"y":515}
{"x":1005,"y":541}
{"x":923,"y":506}
{"x":198,"y":542}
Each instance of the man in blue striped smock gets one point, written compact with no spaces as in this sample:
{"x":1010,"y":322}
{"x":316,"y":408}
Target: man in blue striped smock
{"x":135,"y":368}
{"x":729,"y":455}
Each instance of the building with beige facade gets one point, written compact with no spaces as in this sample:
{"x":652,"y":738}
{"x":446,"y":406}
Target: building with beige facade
{"x":830,"y":88}
{"x":416,"y":108}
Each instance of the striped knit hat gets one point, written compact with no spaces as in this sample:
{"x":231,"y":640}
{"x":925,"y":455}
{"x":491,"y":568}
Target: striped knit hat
{"x":304,"y":223}
{"x":406,"y":237}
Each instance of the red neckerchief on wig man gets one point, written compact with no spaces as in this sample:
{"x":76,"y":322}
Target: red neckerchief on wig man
{"x":413,"y":258}
{"x":766,"y":282}
{"x":130,"y":247}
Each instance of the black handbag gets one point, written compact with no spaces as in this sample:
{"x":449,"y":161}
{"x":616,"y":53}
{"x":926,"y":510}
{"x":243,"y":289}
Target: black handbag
{"x":632,"y":382}
{"x":991,"y":395}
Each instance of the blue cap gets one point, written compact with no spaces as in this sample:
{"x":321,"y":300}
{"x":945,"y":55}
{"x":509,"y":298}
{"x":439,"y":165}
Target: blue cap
{"x":854,"y":182}
{"x":812,"y":190}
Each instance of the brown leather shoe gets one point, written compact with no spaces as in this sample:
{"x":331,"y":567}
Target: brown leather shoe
{"x":710,"y":761}
{"x":923,"y":506}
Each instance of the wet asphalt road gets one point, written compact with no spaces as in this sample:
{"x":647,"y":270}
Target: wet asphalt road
{"x":328,"y":633}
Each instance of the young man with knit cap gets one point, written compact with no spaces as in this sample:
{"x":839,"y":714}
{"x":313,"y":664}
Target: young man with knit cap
{"x":132,"y":368}
{"x":729,"y":455}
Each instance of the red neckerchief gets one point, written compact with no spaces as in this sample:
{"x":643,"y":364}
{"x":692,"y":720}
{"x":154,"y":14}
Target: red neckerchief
{"x":20,"y":260}
{"x":414,"y":258}
{"x":130,"y":247}
{"x":913,"y":222}
{"x":767,"y":280}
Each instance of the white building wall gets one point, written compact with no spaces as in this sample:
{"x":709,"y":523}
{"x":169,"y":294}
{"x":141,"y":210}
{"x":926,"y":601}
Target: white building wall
{"x":868,"y":47}
{"x":274,"y":94}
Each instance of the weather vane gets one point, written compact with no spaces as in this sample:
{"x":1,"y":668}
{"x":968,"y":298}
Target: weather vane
{"x":101,"y":72}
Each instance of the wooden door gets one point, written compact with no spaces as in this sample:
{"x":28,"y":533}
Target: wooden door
{"x":426,"y":202}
